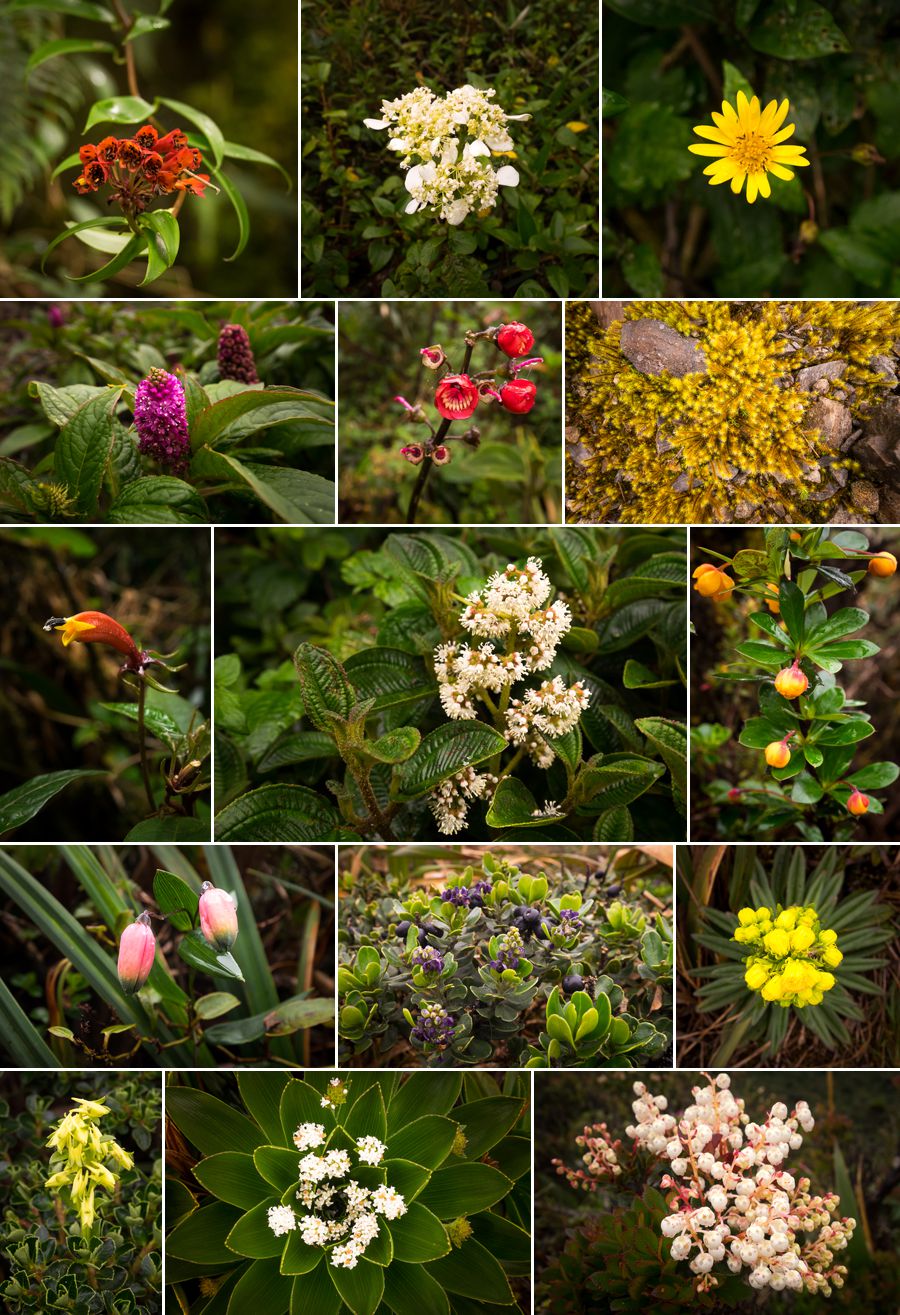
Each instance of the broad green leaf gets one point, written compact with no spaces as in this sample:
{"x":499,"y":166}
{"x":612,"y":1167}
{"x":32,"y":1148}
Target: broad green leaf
{"x":360,"y":1289}
{"x":296,"y":496}
{"x":426,"y":1140}
{"x":792,"y":602}
{"x":472,"y":1271}
{"x":105,"y":221}
{"x":299,"y":1258}
{"x":326,"y":689}
{"x":618,"y":780}
{"x":758,"y":732}
{"x":486,"y":1121}
{"x":232,"y":1177}
{"x":128,"y":253}
{"x":176,"y":900}
{"x":300,"y":1103}
{"x":120,"y":109}
{"x":65,"y":46}
{"x":798,"y":29}
{"x":163,"y":238}
{"x":207,"y":126}
{"x":277,"y":1165}
{"x":613,"y":103}
{"x":446,"y":751}
{"x":637,"y":676}
{"x":876,"y":776}
{"x":197,"y":952}
{"x":421,"y":1094}
{"x":215,"y":1004}
{"x":210,"y":1124}
{"x":261,"y":1092}
{"x":158,"y":723}
{"x":410,"y":1290}
{"x":60,"y":404}
{"x":614,"y":825}
{"x":234,"y":151}
{"x":806,"y":789}
{"x":290,"y":1016}
{"x":83,"y":450}
{"x":513,"y":804}
{"x":280,"y":813}
{"x":172,"y":830}
{"x":260,"y":1290}
{"x":464,"y":1189}
{"x":201,"y":1236}
{"x":367,"y":1115}
{"x":848,"y":732}
{"x":251,"y":1235}
{"x":289,"y":403}
{"x":396,"y":746}
{"x":18,"y":806}
{"x":418,"y":1235}
{"x":73,"y":8}
{"x":315,"y":1291}
{"x":842,"y":623}
{"x":390,"y":676}
{"x":158,"y":500}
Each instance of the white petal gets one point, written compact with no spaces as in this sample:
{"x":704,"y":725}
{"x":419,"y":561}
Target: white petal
{"x":461,"y":116}
{"x":413,"y":178}
{"x":450,"y":153}
{"x":413,"y":205}
{"x":520,"y":118}
{"x":478,"y":148}
{"x":457,"y":212}
{"x":398,"y":144}
{"x":508,"y":176}
{"x":427,"y":172}
{"x":501,"y":142}
{"x":376,"y":123}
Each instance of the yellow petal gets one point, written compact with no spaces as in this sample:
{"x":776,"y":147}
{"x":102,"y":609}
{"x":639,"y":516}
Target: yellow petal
{"x":728,"y":126}
{"x":752,"y":187}
{"x":780,"y":172}
{"x":781,"y":114}
{"x":737,"y":182}
{"x":754,"y":114}
{"x":784,"y":134}
{"x":713,"y":135}
{"x":743,"y":106}
{"x":789,"y":154}
{"x":708,"y":150}
{"x":765,"y":187}
{"x":720,"y":172}
{"x":729,"y":114}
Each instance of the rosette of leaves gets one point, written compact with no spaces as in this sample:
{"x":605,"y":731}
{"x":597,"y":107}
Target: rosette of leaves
{"x":363,"y":741}
{"x":809,"y":795}
{"x":859,"y":919}
{"x":581,"y":1032}
{"x":464,"y":1236}
{"x":494,"y":1010}
{"x":245,"y":440}
{"x":47,"y":1265}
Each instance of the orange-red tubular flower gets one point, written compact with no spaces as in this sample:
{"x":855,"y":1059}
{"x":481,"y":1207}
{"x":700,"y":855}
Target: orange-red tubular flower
{"x":137,"y":950}
{"x":96,"y":628}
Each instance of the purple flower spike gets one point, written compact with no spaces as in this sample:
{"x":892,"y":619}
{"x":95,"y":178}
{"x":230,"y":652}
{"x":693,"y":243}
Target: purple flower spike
{"x":160,"y":419}
{"x":236,"y":355}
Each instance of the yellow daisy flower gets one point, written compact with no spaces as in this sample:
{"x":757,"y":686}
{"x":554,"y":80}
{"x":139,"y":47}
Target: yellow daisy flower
{"x":747,"y":144}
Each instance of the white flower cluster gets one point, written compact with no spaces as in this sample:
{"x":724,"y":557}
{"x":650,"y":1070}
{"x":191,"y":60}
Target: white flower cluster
{"x":341,"y":1213}
{"x":733,"y":1202}
{"x":445,"y":145}
{"x":553,"y":708}
{"x":449,"y":801}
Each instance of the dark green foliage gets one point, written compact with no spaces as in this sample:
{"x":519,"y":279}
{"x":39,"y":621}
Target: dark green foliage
{"x":44,"y":1263}
{"x":832,"y":230}
{"x":541,"y":237}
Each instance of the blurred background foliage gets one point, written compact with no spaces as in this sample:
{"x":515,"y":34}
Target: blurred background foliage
{"x":66,"y":343}
{"x":719,"y":707}
{"x":541,"y":238}
{"x":515,"y":475}
{"x":236,"y":63}
{"x":153,"y":582}
{"x":834,"y":230}
{"x":856,"y":1118}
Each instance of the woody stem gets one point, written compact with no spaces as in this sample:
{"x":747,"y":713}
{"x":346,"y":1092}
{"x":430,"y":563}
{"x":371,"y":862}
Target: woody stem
{"x":127,"y":21}
{"x":142,"y":737}
{"x":424,"y":472}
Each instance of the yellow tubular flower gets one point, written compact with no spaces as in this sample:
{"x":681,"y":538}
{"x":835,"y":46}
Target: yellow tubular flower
{"x":832,"y":956}
{"x":802,"y":938}
{"x":790,"y":955}
{"x":756,"y":976}
{"x":747,"y":146}
{"x":777,"y":942}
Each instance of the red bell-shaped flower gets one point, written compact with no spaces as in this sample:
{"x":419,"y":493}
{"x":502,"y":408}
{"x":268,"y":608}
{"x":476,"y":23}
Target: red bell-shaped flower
{"x":515,"y":339}
{"x":518,"y":395}
{"x":456,"y":397}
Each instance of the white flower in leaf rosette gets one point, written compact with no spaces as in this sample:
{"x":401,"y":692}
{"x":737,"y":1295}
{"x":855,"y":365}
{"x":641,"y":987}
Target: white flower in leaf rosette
{"x":446,"y":144}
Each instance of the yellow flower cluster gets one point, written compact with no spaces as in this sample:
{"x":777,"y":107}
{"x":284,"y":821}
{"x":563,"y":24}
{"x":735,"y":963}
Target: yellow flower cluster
{"x":789,"y":950}
{"x":80,"y":1152}
{"x":661,"y":449}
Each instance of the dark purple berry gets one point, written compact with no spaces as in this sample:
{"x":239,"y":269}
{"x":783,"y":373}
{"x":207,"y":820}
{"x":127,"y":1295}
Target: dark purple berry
{"x":573,"y":983}
{"x":403,"y":928}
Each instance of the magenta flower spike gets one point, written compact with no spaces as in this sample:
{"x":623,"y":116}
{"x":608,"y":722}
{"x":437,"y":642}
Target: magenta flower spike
{"x":137,"y":951}
{"x":218,"y":916}
{"x":160,"y":418}
{"x":235,"y":355}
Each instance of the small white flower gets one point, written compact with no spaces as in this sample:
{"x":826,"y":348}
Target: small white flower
{"x":371,"y":1150}
{"x":281,"y":1219}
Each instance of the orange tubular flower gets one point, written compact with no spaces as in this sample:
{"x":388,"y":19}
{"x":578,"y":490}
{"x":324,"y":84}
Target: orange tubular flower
{"x":791,"y":682}
{"x":96,"y":628}
{"x":712,"y":582}
{"x":141,"y":167}
{"x":858,"y":803}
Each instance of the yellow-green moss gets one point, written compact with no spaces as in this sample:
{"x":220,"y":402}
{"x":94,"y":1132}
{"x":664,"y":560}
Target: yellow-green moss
{"x":739,"y":432}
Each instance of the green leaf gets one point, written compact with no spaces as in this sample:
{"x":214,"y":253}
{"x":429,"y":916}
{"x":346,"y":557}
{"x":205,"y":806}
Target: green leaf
{"x":172,"y":830}
{"x":201,"y":1236}
{"x":290,"y":1016}
{"x":299,"y":1258}
{"x":444,"y":752}
{"x":127,"y":254}
{"x":83,"y":450}
{"x":848,"y":732}
{"x":280,"y":813}
{"x":233,"y":151}
{"x":316,"y":1292}
{"x":613,"y":103}
{"x":105,"y":221}
{"x":513,"y":804}
{"x":421,"y":1094}
{"x":251,"y":1236}
{"x":176,"y":900}
{"x":296,"y":496}
{"x":367,"y":1114}
{"x":418,"y":1236}
{"x":637,"y":676}
{"x":73,"y":8}
{"x":163,"y":238}
{"x":197,"y":952}
{"x":858,"y":255}
{"x":759,"y":732}
{"x":261,"y":1092}
{"x":210,"y":1124}
{"x":390,"y":676}
{"x":158,"y":500}
{"x":842,"y":623}
{"x":426,"y":1140}
{"x":300,"y":1103}
{"x":283,"y":402}
{"x":277,"y":1165}
{"x":806,"y":789}
{"x":65,"y":46}
{"x":464,"y":1189}
{"x":326,"y":689}
{"x":144,"y":24}
{"x":798,"y":29}
{"x":360,"y":1289}
{"x":396,"y":746}
{"x":60,"y":404}
{"x":410,"y":1290}
{"x":239,"y":206}
{"x":120,"y":109}
{"x":876,"y":776}
{"x":215,"y":1004}
{"x":210,"y":129}
{"x":650,"y":150}
{"x":23,"y":1043}
{"x":232,"y":1177}
{"x":487,"y":1121}
{"x":261,"y":1288}
{"x":607,"y":784}
{"x":18,"y":806}
{"x":472,"y":1271}
{"x":614,"y":825}
{"x":792,"y":602}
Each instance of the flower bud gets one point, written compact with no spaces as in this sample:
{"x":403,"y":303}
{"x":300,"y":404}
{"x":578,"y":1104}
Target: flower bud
{"x":137,"y":950}
{"x":456,"y":397}
{"x":882,"y":564}
{"x":858,"y":803}
{"x":414,"y":453}
{"x":218,"y":916}
{"x":235,"y":355}
{"x":472,"y":436}
{"x":518,"y":395}
{"x":712,"y":582}
{"x":791,"y":682}
{"x":433,"y":357}
{"x":515,"y":339}
{"x":866,"y":153}
{"x":440,"y":455}
{"x":809,"y":231}
{"x":778,"y":754}
{"x":772,"y":602}
{"x":733,"y":795}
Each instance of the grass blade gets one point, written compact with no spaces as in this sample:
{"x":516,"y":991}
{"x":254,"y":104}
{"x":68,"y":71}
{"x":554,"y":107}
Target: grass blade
{"x":23,"y":1042}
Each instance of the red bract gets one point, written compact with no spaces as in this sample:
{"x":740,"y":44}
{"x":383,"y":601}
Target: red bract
{"x":515,"y":339}
{"x":518,"y":395}
{"x":142,"y":167}
{"x":456,"y":397}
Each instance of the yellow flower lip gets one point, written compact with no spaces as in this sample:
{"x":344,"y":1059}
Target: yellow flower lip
{"x":746,"y":142}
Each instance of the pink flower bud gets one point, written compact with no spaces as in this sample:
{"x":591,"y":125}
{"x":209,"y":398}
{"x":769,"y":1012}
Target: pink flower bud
{"x":218,"y":916}
{"x":137,"y":950}
{"x":515,"y":339}
{"x":414,"y":453}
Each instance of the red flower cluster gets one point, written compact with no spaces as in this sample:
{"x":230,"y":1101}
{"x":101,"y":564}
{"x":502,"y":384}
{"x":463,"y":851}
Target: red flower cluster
{"x":141,"y":167}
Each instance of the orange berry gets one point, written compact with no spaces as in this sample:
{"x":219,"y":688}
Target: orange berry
{"x":882,"y":564}
{"x":858,"y":803}
{"x":712,"y":582}
{"x":791,"y":682}
{"x":773,"y":604}
{"x":778,"y":754}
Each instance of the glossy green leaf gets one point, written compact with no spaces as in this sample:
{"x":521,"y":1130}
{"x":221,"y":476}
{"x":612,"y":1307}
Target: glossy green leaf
{"x":300,"y":1103}
{"x":18,"y":806}
{"x":277,"y":1165}
{"x":215,"y":1004}
{"x":209,"y":1123}
{"x":289,"y":1016}
{"x":124,"y":257}
{"x":486,"y":1121}
{"x":239,"y":206}
{"x":197,"y":952}
{"x":445,"y":751}
{"x":426,"y":1141}
{"x":207,"y":126}
{"x":234,"y":151}
{"x":176,"y":900}
{"x":360,"y":1289}
{"x":261,"y":1290}
{"x":472,"y":1271}
{"x":396,"y":746}
{"x":875,"y":776}
{"x":281,"y":813}
{"x":22,"y":1042}
{"x":120,"y":109}
{"x":614,"y":825}
{"x":410,"y":1290}
{"x":232,"y":1177}
{"x":201,"y":1236}
{"x":65,"y":46}
{"x":420,"y":1094}
{"x":315,"y":1292}
{"x":144,"y":24}
{"x":513,"y":805}
{"x":418,"y":1235}
{"x":464,"y":1189}
{"x":297,"y":497}
{"x":261,"y":1092}
{"x":367,"y":1115}
{"x":163,"y":238}
{"x":299,"y":1258}
{"x":251,"y":1235}
{"x":798,"y":29}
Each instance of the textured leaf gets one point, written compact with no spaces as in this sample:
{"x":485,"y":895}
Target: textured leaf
{"x":315,"y":1292}
{"x":158,"y":723}
{"x":201,"y":1236}
{"x":324,"y":685}
{"x":288,"y":403}
{"x":614,"y":825}
{"x":209,"y":1123}
{"x":396,"y":746}
{"x":464,"y":1189}
{"x":18,"y":806}
{"x":280,"y":813}
{"x":472,"y":1271}
{"x":158,"y":500}
{"x":418,"y":1236}
{"x":83,"y":450}
{"x":251,"y":1236}
{"x":513,"y":804}
{"x":361,"y":1289}
{"x":798,"y":29}
{"x":286,"y":1018}
{"x":446,"y":751}
{"x":426,"y":1140}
